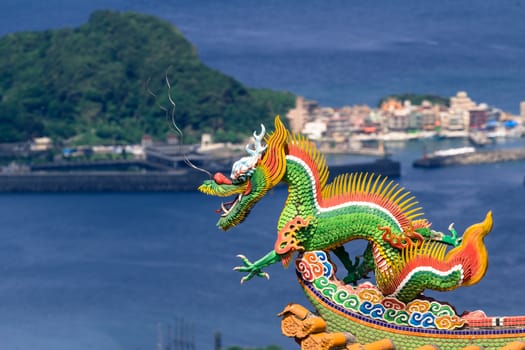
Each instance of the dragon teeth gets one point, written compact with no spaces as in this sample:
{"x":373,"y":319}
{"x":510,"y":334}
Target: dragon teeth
{"x":226,"y":211}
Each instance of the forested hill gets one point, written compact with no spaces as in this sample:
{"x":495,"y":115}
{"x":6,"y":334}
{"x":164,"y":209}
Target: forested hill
{"x":87,"y":85}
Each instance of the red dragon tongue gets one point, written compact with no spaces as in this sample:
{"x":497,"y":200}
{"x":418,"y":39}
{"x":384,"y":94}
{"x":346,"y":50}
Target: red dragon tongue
{"x":221,"y":179}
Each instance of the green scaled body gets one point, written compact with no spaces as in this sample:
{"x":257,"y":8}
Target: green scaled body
{"x":405,"y":255}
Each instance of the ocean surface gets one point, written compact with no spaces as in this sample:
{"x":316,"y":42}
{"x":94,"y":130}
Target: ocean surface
{"x":103,"y":271}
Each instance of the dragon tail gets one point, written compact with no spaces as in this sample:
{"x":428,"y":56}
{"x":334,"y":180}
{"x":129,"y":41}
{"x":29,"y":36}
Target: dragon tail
{"x":431,"y":267}
{"x":472,"y":254}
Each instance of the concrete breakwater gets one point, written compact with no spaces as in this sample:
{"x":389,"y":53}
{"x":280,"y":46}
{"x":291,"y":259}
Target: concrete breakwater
{"x":70,"y":179}
{"x":479,"y":157}
{"x":88,"y":181}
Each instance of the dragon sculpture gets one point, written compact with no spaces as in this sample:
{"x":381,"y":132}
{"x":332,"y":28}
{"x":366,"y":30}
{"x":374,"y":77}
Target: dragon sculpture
{"x":404,"y":253}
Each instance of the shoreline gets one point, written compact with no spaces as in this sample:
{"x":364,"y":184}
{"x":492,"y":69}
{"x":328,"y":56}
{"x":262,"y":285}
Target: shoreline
{"x":175,"y":180}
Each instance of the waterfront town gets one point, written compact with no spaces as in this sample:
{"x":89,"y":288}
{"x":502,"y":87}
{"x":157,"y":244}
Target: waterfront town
{"x":164,"y":165}
{"x":348,"y":129}
{"x":343,"y":130}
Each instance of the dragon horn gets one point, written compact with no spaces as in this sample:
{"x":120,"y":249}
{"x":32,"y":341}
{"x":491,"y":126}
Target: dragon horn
{"x":259,"y":148}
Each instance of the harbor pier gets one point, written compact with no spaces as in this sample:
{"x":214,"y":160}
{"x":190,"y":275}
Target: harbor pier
{"x":478,"y":157}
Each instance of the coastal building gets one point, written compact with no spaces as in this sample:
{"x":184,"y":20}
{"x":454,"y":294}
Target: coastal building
{"x":173,"y":156}
{"x":172,"y":139}
{"x":454,"y":120}
{"x":325,"y":112}
{"x":398,"y":121}
{"x":338,"y":125}
{"x":430,"y":116}
{"x":478,"y":116}
{"x":358,"y":116}
{"x":314,"y":130}
{"x":495,"y":114}
{"x":146,"y":141}
{"x":391,"y":105}
{"x":335,"y":126}
{"x":415,"y":120}
{"x":206,"y":141}
{"x":375,"y":120}
{"x":398,"y":117}
{"x":461,"y":102}
{"x":41,"y":144}
{"x":301,"y":114}
{"x":460,"y":107}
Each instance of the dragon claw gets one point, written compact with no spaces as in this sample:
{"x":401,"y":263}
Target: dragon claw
{"x":452,"y":231}
{"x":451,"y":239}
{"x":253,"y":269}
{"x":454,"y":235}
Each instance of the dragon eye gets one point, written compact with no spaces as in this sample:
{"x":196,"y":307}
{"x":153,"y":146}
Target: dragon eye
{"x":239,"y":179}
{"x":241,"y":175}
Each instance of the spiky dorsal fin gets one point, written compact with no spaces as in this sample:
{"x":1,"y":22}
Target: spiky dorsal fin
{"x":430,"y":253}
{"x":299,"y":146}
{"x":376,"y":189}
{"x":273,"y":162}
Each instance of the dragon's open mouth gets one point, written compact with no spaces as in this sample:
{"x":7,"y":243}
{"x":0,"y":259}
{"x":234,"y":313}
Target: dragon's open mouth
{"x":239,"y":197}
{"x":227,"y":207}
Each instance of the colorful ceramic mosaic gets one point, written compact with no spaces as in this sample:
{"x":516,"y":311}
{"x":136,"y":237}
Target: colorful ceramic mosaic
{"x":315,"y":270}
{"x":404,"y":253}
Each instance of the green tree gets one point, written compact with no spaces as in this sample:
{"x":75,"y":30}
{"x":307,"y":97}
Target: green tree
{"x":66,"y":83}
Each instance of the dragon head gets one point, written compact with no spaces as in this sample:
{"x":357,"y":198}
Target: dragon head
{"x":251,"y":176}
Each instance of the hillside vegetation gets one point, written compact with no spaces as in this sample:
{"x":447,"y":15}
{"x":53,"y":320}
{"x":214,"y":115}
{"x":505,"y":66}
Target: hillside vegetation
{"x":87,"y":85}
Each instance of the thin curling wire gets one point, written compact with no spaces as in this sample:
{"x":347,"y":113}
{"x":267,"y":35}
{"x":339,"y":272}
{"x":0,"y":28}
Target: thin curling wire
{"x":187,"y":161}
{"x":170,"y":117}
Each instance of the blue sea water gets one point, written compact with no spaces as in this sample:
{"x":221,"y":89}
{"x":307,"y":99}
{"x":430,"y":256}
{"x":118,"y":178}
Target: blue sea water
{"x":101,"y":271}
